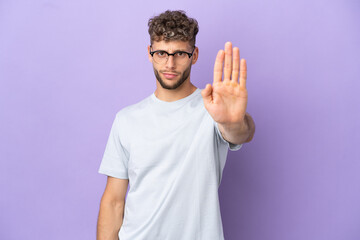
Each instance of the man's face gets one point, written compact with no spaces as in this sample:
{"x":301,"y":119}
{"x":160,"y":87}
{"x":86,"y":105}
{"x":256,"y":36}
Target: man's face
{"x":172,"y":74}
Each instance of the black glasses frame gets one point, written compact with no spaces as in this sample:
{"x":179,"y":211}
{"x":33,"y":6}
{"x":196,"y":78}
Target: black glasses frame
{"x":171,"y":54}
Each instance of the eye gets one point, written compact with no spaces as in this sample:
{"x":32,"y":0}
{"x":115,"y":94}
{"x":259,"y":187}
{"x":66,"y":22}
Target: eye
{"x":180,"y":54}
{"x":161,"y":54}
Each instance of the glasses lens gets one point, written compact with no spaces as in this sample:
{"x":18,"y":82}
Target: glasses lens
{"x":160,"y":57}
{"x":181,"y":58}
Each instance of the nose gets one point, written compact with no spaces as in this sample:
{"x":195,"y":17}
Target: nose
{"x":170,"y":62}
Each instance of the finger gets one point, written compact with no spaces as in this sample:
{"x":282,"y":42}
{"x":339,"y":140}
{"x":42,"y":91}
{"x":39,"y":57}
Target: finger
{"x":236,"y":65}
{"x":227,"y":66}
{"x":218,"y":67}
{"x":243,"y":73}
{"x":206,"y":93}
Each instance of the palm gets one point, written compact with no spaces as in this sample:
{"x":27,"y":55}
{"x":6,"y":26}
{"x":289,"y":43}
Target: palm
{"x":226,"y":100}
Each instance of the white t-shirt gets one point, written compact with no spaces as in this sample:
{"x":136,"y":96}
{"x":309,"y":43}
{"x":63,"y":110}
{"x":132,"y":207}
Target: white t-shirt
{"x":173,"y":155}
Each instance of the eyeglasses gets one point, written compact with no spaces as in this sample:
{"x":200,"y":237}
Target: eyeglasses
{"x":180,"y":57}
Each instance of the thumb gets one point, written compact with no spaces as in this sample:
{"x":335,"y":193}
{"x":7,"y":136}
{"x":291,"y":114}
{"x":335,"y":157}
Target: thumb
{"x":206,"y":93}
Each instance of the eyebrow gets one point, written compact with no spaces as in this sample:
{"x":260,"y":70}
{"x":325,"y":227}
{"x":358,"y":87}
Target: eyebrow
{"x":178,"y":50}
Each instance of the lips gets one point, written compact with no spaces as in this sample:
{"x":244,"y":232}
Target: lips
{"x":169,"y":75}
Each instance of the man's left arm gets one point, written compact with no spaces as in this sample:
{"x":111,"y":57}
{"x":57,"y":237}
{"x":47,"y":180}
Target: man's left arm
{"x":240,"y":132}
{"x":226,"y":100}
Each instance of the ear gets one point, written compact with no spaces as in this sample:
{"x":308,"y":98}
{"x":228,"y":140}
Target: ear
{"x":195,"y":55}
{"x":149,"y":55}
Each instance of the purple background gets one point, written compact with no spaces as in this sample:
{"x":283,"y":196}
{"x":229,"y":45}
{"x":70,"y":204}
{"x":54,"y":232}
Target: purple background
{"x":67,"y":67}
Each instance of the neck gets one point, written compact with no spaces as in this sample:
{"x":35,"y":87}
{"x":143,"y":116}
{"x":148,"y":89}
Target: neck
{"x":170,"y":95}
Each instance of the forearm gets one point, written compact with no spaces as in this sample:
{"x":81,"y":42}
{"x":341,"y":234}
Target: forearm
{"x":240,"y":132}
{"x":110,"y":220}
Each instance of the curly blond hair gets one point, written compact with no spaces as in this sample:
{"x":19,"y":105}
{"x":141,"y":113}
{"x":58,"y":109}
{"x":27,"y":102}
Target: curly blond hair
{"x":173,"y":25}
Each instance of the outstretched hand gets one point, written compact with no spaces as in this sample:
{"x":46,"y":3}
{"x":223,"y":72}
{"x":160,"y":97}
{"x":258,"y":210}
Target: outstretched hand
{"x":226,"y":99}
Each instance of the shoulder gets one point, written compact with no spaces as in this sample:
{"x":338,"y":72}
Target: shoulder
{"x":133,"y":109}
{"x":198,"y":99}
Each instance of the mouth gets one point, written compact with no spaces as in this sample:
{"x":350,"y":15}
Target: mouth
{"x":169,"y":75}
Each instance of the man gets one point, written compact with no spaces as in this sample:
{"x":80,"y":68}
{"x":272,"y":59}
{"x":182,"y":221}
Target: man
{"x":172,"y":146}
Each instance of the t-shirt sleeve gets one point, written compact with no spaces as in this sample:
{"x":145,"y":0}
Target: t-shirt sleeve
{"x":231,"y":146}
{"x":115,"y":161}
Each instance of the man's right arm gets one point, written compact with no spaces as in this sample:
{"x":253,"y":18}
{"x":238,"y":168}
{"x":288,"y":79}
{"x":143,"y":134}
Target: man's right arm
{"x":111,"y":211}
